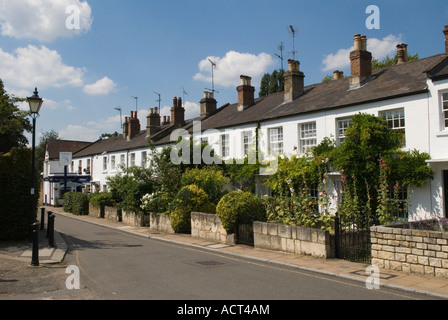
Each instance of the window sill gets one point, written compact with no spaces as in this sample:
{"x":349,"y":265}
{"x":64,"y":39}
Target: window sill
{"x":443,"y":133}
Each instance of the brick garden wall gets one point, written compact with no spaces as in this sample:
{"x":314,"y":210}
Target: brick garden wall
{"x":412,"y":251}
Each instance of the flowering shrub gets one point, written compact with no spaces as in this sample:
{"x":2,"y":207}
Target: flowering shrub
{"x":156,"y":202}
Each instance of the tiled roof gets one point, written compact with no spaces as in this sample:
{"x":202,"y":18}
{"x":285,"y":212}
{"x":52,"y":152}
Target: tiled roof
{"x":54,"y":147}
{"x":387,"y":83}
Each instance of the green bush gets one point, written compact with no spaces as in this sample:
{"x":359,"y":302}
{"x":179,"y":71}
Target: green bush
{"x":239,"y":207}
{"x":209,"y":179}
{"x":68,"y":202}
{"x":15,"y":206}
{"x":102,"y":199}
{"x":189,"y":198}
{"x":76,"y":203}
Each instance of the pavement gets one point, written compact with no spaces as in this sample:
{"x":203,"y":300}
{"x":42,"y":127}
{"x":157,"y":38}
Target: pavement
{"x":431,"y":286}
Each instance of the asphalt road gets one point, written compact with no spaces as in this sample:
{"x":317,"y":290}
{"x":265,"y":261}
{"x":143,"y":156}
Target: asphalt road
{"x":114,"y":265}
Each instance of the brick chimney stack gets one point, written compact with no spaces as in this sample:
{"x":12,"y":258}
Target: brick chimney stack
{"x":125,"y":127}
{"x":445,"y":32}
{"x":246,"y":93}
{"x":361,"y":62}
{"x":208,"y":104}
{"x":294,"y":81}
{"x":400,"y":54}
{"x":338,"y":75}
{"x":153,"y":121}
{"x":177,"y":112}
{"x":133,"y":126}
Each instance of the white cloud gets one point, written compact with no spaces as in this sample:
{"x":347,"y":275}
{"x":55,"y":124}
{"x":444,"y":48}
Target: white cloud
{"x":101,"y":87}
{"x":110,"y":124}
{"x":229,"y":68}
{"x":79,"y":133}
{"x":31,"y":66}
{"x":379,"y":49}
{"x":192,"y":110}
{"x":44,"y":20}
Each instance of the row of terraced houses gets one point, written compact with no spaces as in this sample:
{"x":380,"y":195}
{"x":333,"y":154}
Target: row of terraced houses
{"x":412,"y":96}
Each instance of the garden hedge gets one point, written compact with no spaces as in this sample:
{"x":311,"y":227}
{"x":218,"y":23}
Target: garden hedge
{"x":239,"y":207}
{"x":15,"y":200}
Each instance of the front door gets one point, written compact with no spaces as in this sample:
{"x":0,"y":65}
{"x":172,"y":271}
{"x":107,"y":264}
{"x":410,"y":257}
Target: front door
{"x":445,"y":191}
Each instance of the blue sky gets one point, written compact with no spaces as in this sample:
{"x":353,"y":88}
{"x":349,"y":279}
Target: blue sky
{"x":135,"y":48}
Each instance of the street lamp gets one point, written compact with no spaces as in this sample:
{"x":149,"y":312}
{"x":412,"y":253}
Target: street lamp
{"x":35,"y":102}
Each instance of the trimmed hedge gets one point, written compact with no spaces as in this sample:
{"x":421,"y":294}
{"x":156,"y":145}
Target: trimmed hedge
{"x":189,"y":198}
{"x":76,"y":203}
{"x":239,"y":207}
{"x":15,"y":199}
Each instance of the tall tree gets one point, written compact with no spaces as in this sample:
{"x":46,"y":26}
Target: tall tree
{"x":13,"y":122}
{"x":272,"y":83}
{"x":40,"y":148}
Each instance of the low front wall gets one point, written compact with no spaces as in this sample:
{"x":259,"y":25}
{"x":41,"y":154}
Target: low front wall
{"x":296,"y":240}
{"x":116,"y":215}
{"x":135,"y":219}
{"x":160,"y":222}
{"x":409,"y":250}
{"x":209,"y":227}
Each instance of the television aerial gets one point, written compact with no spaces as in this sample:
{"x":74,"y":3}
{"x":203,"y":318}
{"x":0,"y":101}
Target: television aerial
{"x":158,"y":100}
{"x":121,"y":118}
{"x":293,"y":31}
{"x":136,"y":103}
{"x":281,"y":47}
{"x":213,"y":77}
{"x":185,"y":93}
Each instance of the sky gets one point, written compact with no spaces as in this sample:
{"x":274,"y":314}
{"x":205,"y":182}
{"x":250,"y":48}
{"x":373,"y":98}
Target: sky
{"x":89,"y":58}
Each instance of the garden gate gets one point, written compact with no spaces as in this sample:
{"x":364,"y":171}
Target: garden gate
{"x":352,"y":238}
{"x":245,"y":234}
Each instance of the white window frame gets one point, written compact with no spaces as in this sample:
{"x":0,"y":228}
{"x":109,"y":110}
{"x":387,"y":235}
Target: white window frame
{"x":444,"y":110}
{"x":225,"y":145}
{"x":340,"y":133}
{"x":132,"y":160}
{"x":247,"y":142}
{"x":307,"y":136}
{"x":275,"y":136}
{"x":113,"y":163}
{"x":396,"y":120}
{"x":144,"y":159}
{"x":105,"y":164}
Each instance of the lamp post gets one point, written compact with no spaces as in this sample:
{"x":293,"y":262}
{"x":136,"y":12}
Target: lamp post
{"x":35,"y":103}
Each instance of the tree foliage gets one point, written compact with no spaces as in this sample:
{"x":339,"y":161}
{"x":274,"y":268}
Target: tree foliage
{"x":272,"y":83}
{"x":13,"y":122}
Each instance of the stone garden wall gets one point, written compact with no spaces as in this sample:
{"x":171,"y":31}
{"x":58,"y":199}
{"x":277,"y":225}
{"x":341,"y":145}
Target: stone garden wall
{"x":409,"y":250}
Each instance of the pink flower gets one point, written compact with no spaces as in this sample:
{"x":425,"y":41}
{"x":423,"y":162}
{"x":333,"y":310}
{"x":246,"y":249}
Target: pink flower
{"x":383,"y":164}
{"x":344,"y":178}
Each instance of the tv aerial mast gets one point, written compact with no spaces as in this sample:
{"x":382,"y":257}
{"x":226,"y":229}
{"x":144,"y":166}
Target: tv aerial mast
{"x":213,"y":76}
{"x":281,"y":47}
{"x":293,"y":30}
{"x":185,"y":93}
{"x":158,"y":100}
{"x":136,"y":103}
{"x":121,"y":117}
